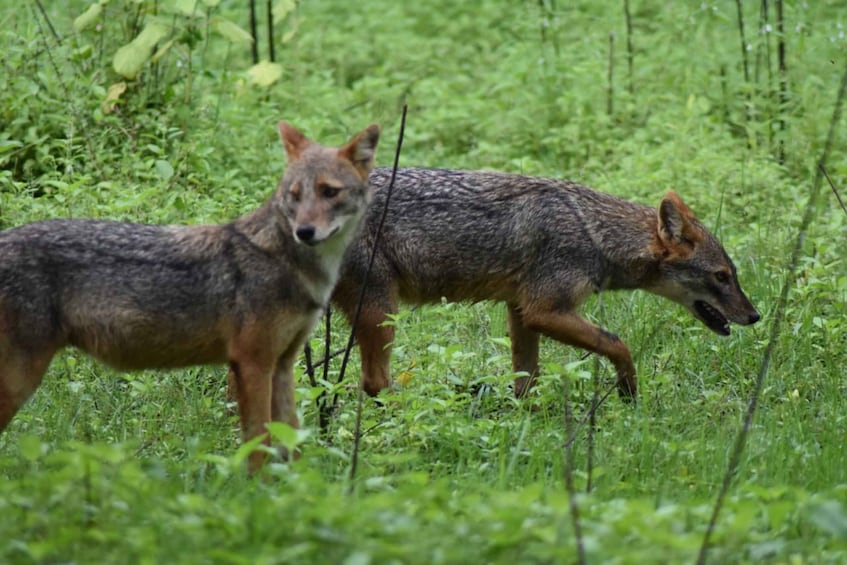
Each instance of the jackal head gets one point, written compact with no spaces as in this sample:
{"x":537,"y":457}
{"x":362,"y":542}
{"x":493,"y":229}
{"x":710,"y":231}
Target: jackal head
{"x":325,"y":190}
{"x":695,"y":271}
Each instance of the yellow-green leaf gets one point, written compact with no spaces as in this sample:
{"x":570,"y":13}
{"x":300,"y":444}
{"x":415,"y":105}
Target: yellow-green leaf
{"x":88,"y":18}
{"x":231,"y":31}
{"x":131,"y":57}
{"x":282,"y":8}
{"x":160,"y":52}
{"x":295,"y":26}
{"x":265,"y":73}
{"x":186,"y":7}
{"x":112,"y":96}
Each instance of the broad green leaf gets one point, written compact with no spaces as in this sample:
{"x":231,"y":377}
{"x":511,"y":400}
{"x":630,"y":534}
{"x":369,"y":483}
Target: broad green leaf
{"x":265,"y":73}
{"x":7,"y":145}
{"x":164,"y":169}
{"x":282,"y":8}
{"x":830,"y":517}
{"x":88,"y":18}
{"x":211,"y":3}
{"x":231,"y":31}
{"x":130,"y":58}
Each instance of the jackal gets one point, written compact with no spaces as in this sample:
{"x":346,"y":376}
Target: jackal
{"x":542,"y":246}
{"x":136,"y":296}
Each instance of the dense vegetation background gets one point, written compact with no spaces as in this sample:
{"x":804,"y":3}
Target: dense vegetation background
{"x":154,"y":111}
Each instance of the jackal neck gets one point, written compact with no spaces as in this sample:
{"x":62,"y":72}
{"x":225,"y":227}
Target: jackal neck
{"x":269,"y":232}
{"x":316,"y":268}
{"x":629,"y":256}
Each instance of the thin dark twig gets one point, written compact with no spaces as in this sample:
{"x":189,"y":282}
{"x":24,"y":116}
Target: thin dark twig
{"x":332,"y":355}
{"x":765,"y":35}
{"x":748,"y":106}
{"x":629,"y":49}
{"x":47,"y":19}
{"x":592,"y":420}
{"x":832,"y":185}
{"x":271,"y":49}
{"x":587,"y":416}
{"x":743,"y":42}
{"x":782,"y":302}
{"x":548,"y":18}
{"x":611,"y":74}
{"x":254,"y":47}
{"x":357,"y":434}
{"x":592,"y":425}
{"x":310,"y":368}
{"x":325,"y":406}
{"x":574,"y":507}
{"x":783,"y":83}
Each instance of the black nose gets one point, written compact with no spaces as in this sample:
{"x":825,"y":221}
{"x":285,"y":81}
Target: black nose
{"x":305,"y":233}
{"x":754,"y":317}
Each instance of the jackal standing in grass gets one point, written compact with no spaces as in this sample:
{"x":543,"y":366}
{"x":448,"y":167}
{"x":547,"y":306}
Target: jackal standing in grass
{"x":247,"y":293}
{"x":542,"y":246}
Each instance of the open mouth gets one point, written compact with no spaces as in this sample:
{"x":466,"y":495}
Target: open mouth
{"x":713,"y":319}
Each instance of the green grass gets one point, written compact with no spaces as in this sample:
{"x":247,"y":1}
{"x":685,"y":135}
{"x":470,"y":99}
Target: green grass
{"x":102,"y":466}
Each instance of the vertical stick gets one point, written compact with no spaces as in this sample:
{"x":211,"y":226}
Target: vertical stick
{"x":271,"y":50}
{"x":610,"y":94}
{"x":783,"y":79}
{"x":325,"y":405}
{"x":743,"y":42}
{"x":595,"y":399}
{"x":764,"y":33}
{"x":47,"y":19}
{"x":357,"y":434}
{"x":574,"y":508}
{"x":629,"y":48}
{"x":310,"y":367}
{"x":253,"y":32}
{"x":724,"y":94}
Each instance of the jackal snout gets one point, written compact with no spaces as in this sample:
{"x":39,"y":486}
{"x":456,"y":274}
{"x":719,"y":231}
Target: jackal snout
{"x":696,"y":271}
{"x":325,"y":190}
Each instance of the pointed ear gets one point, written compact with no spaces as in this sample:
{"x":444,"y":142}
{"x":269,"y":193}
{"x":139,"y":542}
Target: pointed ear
{"x":293,"y":141}
{"x":678,"y":231}
{"x":361,"y":150}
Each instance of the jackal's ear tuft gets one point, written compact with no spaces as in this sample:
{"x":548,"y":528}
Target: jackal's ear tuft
{"x":678,"y":228}
{"x":293,"y":141}
{"x":361,"y":150}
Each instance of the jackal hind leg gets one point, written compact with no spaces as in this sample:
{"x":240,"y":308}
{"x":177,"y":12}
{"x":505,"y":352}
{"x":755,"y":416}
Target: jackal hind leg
{"x":572,"y":329}
{"x":21,"y":372}
{"x":375,"y":343}
{"x":524,"y":351}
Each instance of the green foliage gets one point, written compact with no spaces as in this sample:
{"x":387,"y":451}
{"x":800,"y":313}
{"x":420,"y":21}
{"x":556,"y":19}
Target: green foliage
{"x":147,"y":467}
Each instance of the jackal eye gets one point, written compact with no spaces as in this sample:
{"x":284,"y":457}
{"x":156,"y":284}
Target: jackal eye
{"x":294,"y":193}
{"x":328,"y":191}
{"x":722,"y":277}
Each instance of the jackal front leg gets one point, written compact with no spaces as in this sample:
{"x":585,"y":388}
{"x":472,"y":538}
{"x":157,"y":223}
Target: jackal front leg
{"x":573,"y":329}
{"x":251,"y":370}
{"x":524,"y":351}
{"x":283,"y":402}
